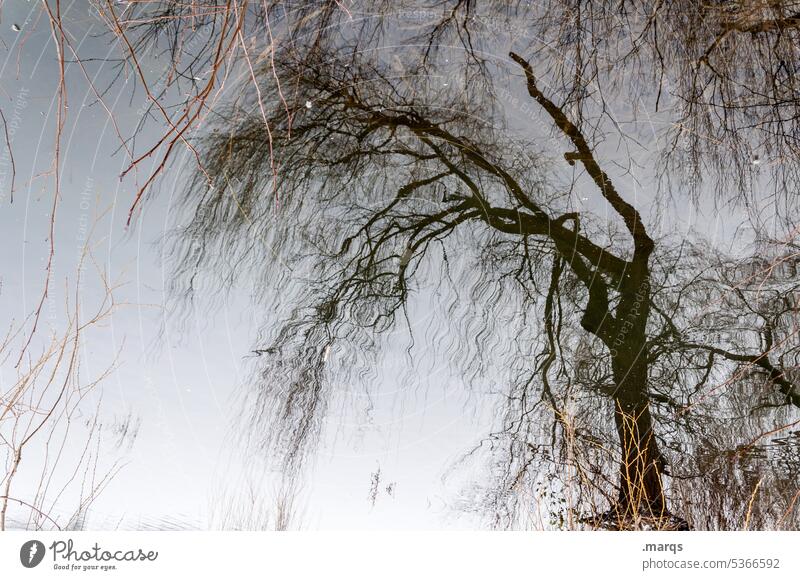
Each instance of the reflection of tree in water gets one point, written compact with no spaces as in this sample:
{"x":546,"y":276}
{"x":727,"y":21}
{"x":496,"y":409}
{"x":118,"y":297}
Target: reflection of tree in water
{"x":736,"y":470}
{"x":635,"y":364}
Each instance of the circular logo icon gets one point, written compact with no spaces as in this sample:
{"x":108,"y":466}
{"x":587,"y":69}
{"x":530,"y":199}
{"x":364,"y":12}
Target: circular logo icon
{"x":31,"y":553}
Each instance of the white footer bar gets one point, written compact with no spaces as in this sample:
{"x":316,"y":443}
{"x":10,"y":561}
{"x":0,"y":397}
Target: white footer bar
{"x":403,"y":555}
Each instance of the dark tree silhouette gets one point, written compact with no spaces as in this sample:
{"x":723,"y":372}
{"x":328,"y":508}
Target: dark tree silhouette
{"x":372,"y":158}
